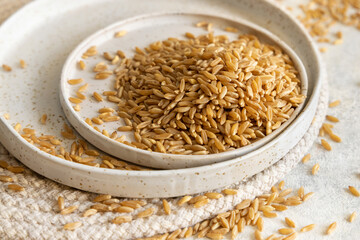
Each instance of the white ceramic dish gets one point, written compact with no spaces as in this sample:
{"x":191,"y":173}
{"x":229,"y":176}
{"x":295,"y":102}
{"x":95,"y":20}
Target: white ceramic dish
{"x":45,"y":32}
{"x":141,"y":31}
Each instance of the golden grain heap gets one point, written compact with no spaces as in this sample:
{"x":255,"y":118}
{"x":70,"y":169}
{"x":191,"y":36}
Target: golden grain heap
{"x":205,"y":94}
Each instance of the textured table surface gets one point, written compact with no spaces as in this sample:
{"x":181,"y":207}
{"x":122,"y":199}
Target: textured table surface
{"x":340,"y":167}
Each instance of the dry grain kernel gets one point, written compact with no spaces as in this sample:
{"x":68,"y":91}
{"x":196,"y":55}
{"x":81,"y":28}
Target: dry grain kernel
{"x":308,"y":228}
{"x":72,"y":226}
{"x":354,"y":191}
{"x":331,"y":228}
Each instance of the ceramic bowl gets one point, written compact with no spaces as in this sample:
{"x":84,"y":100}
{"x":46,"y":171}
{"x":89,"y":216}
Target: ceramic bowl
{"x":141,"y":31}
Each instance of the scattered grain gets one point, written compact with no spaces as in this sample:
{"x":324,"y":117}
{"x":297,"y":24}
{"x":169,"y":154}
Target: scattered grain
{"x":146,"y":213}
{"x":334,"y":103}
{"x":82,"y":65}
{"x":306,"y":158}
{"x":325,"y":144}
{"x":315,"y":169}
{"x":331,"y":228}
{"x":75,"y":81}
{"x":229,"y":191}
{"x":97,"y":97}
{"x":184,"y":200}
{"x":120,"y":33}
{"x":69,"y":210}
{"x":16,"y":187}
{"x":4,"y":178}
{"x":290,"y":222}
{"x":308,"y":196}
{"x":167,"y":208}
{"x":61,"y":203}
{"x":17,"y":127}
{"x":258,"y":235}
{"x":308,"y":228}
{"x":15,"y":169}
{"x":89,"y":212}
{"x":285,"y":231}
{"x":201,"y":203}
{"x":354,"y":191}
{"x":334,"y":137}
{"x":72,"y":226}
{"x":352,"y":217}
{"x":291,"y":236}
{"x":6,"y":68}
{"x":22,"y":64}
{"x":213,"y":195}
{"x":101,"y":198}
{"x":43,"y":119}
{"x":6,"y":116}
{"x":332,"y":118}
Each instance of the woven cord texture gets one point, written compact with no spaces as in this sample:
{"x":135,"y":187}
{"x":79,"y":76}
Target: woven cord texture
{"x":33,"y":214}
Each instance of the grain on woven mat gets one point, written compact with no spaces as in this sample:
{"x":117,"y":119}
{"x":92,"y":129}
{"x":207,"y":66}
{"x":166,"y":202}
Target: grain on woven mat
{"x":16,"y":187}
{"x":5,"y":178}
{"x":354,"y":191}
{"x":247,"y":213}
{"x":208,"y":103}
{"x":72,"y":226}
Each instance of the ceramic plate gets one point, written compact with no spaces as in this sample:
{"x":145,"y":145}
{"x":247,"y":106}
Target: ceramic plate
{"x":45,"y":32}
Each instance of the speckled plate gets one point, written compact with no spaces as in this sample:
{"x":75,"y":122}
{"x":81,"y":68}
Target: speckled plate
{"x":141,"y":31}
{"x":45,"y":32}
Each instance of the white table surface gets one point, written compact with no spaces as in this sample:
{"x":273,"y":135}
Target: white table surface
{"x":340,"y":167}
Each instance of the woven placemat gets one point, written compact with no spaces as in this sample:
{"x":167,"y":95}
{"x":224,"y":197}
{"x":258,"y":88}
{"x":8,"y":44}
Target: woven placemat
{"x":33,"y":213}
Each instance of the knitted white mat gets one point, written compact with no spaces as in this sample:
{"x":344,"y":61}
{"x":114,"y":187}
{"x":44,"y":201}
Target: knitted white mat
{"x":33,"y":214}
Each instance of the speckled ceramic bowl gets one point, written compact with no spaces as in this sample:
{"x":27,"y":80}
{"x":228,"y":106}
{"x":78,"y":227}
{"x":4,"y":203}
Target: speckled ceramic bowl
{"x":141,"y":31}
{"x":45,"y":32}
